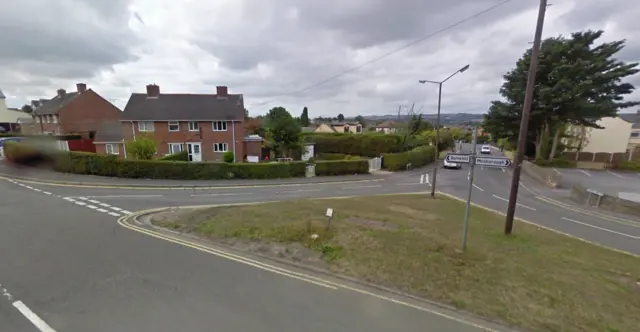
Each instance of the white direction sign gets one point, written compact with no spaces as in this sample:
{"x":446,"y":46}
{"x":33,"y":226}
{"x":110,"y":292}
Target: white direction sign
{"x":493,"y":161}
{"x":458,"y":158}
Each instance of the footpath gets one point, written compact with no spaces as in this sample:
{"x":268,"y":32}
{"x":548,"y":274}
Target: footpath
{"x":51,"y":177}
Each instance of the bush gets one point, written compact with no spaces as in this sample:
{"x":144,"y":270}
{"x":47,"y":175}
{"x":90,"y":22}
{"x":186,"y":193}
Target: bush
{"x":370,"y":145}
{"x":180,"y":156}
{"x":228,"y":157}
{"x":342,"y":167}
{"x":629,"y":165}
{"x":110,"y":165}
{"x":559,"y":163}
{"x":417,"y":157}
{"x":143,"y":148}
{"x":337,"y":156}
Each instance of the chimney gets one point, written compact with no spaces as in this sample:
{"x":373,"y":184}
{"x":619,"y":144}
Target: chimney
{"x":61,"y":93}
{"x":221,"y":91}
{"x":153,"y":91}
{"x":81,"y":87}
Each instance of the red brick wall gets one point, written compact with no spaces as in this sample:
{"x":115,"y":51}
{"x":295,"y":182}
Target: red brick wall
{"x":205,"y":135}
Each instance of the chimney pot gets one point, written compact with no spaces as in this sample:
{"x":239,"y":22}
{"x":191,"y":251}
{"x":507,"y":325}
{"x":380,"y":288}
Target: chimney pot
{"x":221,"y":91}
{"x":153,"y":91}
{"x":61,"y":93}
{"x":81,"y":87}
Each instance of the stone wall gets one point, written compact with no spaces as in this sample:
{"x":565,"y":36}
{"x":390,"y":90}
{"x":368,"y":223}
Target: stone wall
{"x":545,"y":175}
{"x":580,"y":195}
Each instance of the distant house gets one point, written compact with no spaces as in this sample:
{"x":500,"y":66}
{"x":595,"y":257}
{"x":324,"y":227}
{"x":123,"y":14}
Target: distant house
{"x":386,"y":127}
{"x":80,"y":112}
{"x":633,"y":146}
{"x":204,"y":125}
{"x":109,"y":139}
{"x":8,"y":117}
{"x":340,"y":127}
{"x":613,"y":138}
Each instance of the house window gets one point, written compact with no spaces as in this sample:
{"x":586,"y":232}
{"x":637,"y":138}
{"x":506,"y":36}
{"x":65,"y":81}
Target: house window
{"x":346,"y":129}
{"x":358,"y":129}
{"x":219,"y":126}
{"x":145,"y":126}
{"x":220,"y":147}
{"x":194,"y":126}
{"x":635,"y":134}
{"x":55,"y":119}
{"x":174,"y":126}
{"x":112,"y":148}
{"x":46,"y":118}
{"x":175,"y":148}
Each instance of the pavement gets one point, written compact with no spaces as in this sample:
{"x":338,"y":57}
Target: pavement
{"x":617,"y":183}
{"x":71,"y":264}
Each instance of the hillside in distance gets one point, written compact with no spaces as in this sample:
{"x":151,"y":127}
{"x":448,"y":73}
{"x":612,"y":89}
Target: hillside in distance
{"x":445,"y":118}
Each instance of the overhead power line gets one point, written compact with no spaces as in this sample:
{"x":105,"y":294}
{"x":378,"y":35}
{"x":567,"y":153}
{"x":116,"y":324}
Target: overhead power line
{"x":376,"y":59}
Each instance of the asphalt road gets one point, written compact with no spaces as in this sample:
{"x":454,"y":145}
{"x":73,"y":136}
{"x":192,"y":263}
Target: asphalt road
{"x":611,"y":182}
{"x":63,"y":256}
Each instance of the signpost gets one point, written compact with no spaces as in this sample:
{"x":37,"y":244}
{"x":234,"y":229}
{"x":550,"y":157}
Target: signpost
{"x":493,"y":161}
{"x":458,"y":158}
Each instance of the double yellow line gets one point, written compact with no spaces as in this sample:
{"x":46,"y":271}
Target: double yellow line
{"x":123,"y":221}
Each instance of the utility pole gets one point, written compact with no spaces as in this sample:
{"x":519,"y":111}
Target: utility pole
{"x":524,"y":122}
{"x":435,"y":158}
{"x":465,"y":228}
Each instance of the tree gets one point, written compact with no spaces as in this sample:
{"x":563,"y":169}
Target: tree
{"x":253,"y":126}
{"x":27,"y":109}
{"x":361,"y":120}
{"x":304,"y":117}
{"x":246,"y":113}
{"x":577,"y":83}
{"x":283,"y":131}
{"x":143,"y":148}
{"x":340,"y":117}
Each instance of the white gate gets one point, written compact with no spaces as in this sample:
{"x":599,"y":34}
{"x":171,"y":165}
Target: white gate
{"x":375,"y":164}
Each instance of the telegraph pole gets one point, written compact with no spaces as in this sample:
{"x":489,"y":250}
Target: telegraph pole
{"x":524,"y":123}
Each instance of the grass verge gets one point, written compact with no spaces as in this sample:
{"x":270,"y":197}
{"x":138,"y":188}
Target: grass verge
{"x":536,"y":279}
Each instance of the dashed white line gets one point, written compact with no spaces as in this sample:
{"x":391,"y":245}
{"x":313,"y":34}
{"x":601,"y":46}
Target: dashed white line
{"x":361,"y":187}
{"x":80,"y":203}
{"x":46,"y":193}
{"x":124,"y":196}
{"x":477,"y":187}
{"x":94,"y":201}
{"x":92,"y":207}
{"x":221,"y":194}
{"x":32,"y":317}
{"x":585,"y":172}
{"x":116,"y":208}
{"x":105,"y":204}
{"x":114,"y":214}
{"x":69,"y":199}
{"x":28,"y":187}
{"x":518,"y":204}
{"x":298,"y":191}
{"x":82,"y":198}
{"x":126,"y":212}
{"x":602,"y":228}
{"x":102,"y":210}
{"x":615,"y":174}
{"x":36,"y":189}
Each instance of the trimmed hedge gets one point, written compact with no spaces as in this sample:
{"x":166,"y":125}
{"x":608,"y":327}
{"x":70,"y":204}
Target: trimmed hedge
{"x":370,"y":145}
{"x":180,"y":156}
{"x":417,"y":157}
{"x":629,"y":165}
{"x":342,"y":167}
{"x":336,"y":156}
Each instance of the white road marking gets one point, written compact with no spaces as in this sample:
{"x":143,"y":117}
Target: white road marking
{"x":361,"y":187}
{"x":422,"y":179}
{"x":408,"y":184}
{"x":105,"y":205}
{"x":21,"y":184}
{"x":92,"y":207}
{"x":503,"y":170}
{"x":69,"y":199}
{"x":222,"y":194}
{"x":124,"y":196}
{"x":102,"y":210}
{"x":602,"y":228}
{"x":518,"y":204}
{"x":477,"y":187}
{"x":32,"y":317}
{"x":116,"y":208}
{"x":94,"y":201}
{"x":615,"y":174}
{"x":80,"y":203}
{"x":36,"y":189}
{"x":299,"y":191}
{"x":46,"y":193}
{"x":82,"y":198}
{"x":585,"y":172}
{"x":126,"y":212}
{"x":28,"y":187}
{"x":114,"y":214}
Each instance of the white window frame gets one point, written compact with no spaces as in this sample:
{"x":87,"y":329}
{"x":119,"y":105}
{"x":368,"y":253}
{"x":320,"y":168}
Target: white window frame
{"x":194,"y":126}
{"x":219,"y":126}
{"x":55,"y":119}
{"x":172,"y":150}
{"x":140,"y":126}
{"x":115,"y":149}
{"x":220,"y":147}
{"x":173,"y":123}
{"x":46,"y":118}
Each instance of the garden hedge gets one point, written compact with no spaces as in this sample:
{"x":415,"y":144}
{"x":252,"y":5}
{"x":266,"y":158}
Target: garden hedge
{"x":336,"y":156}
{"x":180,"y":156}
{"x":417,"y":157}
{"x":369,"y":145}
{"x":110,"y":165}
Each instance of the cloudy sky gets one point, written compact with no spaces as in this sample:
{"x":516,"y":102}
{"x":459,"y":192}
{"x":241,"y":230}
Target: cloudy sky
{"x":276,"y":52}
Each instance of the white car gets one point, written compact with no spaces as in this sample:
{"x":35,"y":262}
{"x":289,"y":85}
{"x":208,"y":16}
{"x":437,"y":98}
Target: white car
{"x":485,"y":150}
{"x":448,"y":164}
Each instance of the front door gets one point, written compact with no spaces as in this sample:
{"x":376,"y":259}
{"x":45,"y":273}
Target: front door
{"x":194,"y":151}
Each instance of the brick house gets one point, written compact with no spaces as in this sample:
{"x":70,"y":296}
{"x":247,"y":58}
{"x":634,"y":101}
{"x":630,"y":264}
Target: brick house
{"x":204,"y":125}
{"x":110,"y":140}
{"x":80,"y":112}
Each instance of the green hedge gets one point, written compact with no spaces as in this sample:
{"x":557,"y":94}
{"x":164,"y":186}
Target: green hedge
{"x":180,"y":156}
{"x":370,"y":145}
{"x":342,"y":167}
{"x":336,"y":156}
{"x":558,"y":163}
{"x":417,"y":157}
{"x":629,"y":165}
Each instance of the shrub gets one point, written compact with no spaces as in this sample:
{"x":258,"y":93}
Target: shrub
{"x":417,"y":157}
{"x":228,"y":157}
{"x":342,"y":167}
{"x":629,"y":165}
{"x":337,"y":156}
{"x":370,"y":145}
{"x":143,"y":148}
{"x":180,"y":156}
{"x":559,"y":163}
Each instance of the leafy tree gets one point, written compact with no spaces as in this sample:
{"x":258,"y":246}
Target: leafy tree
{"x":228,"y":157}
{"x":142,"y":148}
{"x":417,"y":124}
{"x":577,"y":83}
{"x":340,"y":117}
{"x":361,"y":120}
{"x":304,"y":117}
{"x":27,"y":109}
{"x":253,"y":126}
{"x":283,"y":131}
{"x":246,"y":113}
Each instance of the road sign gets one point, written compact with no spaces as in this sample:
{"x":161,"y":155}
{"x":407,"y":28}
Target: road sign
{"x":493,"y":161}
{"x":458,"y":158}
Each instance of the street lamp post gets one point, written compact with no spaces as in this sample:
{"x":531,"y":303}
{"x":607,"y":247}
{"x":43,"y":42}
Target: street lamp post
{"x":439,"y":83}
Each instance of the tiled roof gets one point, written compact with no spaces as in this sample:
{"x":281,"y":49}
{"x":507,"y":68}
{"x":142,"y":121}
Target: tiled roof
{"x":109,"y":132}
{"x":52,"y":106}
{"x":193,"y":107}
